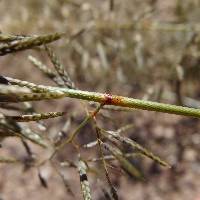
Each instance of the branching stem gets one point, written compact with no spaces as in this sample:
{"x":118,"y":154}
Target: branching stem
{"x":47,"y":92}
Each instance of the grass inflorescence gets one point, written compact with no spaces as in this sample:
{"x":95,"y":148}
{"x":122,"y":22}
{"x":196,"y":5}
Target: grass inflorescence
{"x":18,"y":95}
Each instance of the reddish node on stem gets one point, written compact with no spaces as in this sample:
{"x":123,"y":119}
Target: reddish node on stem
{"x":108,"y":98}
{"x":112,"y":99}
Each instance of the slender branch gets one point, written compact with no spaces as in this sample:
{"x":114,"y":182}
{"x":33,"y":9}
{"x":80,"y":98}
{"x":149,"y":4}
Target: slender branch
{"x":48,"y":92}
{"x":73,"y":135}
{"x":76,"y":131}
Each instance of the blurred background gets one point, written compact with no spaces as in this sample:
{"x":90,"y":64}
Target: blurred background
{"x":146,"y":49}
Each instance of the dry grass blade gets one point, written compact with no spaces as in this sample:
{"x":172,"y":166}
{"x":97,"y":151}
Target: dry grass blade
{"x":29,"y":43}
{"x":138,"y":147}
{"x":124,"y":128}
{"x":90,"y":144}
{"x":36,"y":116}
{"x":85,"y":186}
{"x":112,"y":188}
{"x":9,"y":127}
{"x":111,"y":157}
{"x":123,"y":161}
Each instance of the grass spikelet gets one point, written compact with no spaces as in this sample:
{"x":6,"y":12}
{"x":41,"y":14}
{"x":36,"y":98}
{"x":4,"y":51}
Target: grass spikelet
{"x":48,"y":72}
{"x":85,"y":186}
{"x":28,"y":43}
{"x":23,"y":97}
{"x":10,"y":93}
{"x":42,"y":67}
{"x":59,"y":68}
{"x":36,"y":116}
{"x":8,"y":89}
{"x":35,"y":88}
{"x":4,"y":38}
